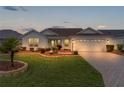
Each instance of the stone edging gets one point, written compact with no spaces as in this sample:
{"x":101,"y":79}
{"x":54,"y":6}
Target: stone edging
{"x":15,"y":72}
{"x":57,"y":56}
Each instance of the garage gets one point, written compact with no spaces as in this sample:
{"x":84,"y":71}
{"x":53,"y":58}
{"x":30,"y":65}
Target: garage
{"x":90,"y":45}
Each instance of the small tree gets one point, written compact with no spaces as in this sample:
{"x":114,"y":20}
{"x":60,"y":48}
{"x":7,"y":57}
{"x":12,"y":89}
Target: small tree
{"x":120,"y":47}
{"x":10,"y":45}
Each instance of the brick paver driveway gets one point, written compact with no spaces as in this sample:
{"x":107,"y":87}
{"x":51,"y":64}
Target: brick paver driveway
{"x":111,"y":66}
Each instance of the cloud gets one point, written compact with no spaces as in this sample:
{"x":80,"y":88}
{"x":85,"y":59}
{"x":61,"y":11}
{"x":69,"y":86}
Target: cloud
{"x":67,"y":22}
{"x":14,"y":8}
{"x":11,"y":8}
{"x":101,"y":26}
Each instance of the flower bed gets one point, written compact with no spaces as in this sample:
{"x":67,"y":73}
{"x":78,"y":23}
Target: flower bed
{"x":65,"y":52}
{"x":55,"y":55}
{"x":118,"y":52}
{"x":7,"y":70}
{"x":59,"y":53}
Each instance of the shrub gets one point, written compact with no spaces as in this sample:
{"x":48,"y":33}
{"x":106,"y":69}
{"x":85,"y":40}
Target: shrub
{"x":75,"y":52}
{"x":42,"y":50}
{"x":59,"y":47}
{"x":10,"y":45}
{"x":23,"y":48}
{"x":32,"y":49}
{"x":109,"y":48}
{"x":48,"y":49}
{"x":55,"y":50}
{"x":120,"y":47}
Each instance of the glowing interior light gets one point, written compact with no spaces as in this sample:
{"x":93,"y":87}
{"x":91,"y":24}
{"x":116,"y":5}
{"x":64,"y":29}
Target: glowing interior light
{"x":108,"y":41}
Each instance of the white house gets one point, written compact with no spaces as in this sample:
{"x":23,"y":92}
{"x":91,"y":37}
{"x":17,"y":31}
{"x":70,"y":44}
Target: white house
{"x":69,"y":38}
{"x":73,"y":38}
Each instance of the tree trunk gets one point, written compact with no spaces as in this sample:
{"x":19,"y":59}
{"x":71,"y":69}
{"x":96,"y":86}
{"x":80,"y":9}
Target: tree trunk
{"x":12,"y":57}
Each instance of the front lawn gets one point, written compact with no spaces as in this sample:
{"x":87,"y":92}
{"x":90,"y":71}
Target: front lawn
{"x":64,"y":71}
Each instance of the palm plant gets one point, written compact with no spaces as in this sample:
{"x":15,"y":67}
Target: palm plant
{"x":10,"y":45}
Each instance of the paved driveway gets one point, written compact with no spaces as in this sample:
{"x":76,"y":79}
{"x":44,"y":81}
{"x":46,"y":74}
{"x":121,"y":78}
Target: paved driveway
{"x":111,"y":66}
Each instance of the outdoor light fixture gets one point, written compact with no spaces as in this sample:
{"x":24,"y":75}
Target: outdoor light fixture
{"x":108,"y":41}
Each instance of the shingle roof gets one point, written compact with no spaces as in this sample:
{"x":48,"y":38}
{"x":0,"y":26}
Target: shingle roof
{"x":6,"y":33}
{"x":113,"y":32}
{"x":65,"y":31}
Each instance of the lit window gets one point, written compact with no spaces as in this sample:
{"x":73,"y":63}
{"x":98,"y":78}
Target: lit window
{"x":55,"y":42}
{"x":59,"y":42}
{"x":33,"y":41}
{"x":66,"y":42}
{"x":80,"y":40}
{"x":52,"y":43}
{"x":92,"y":40}
{"x":108,"y":41}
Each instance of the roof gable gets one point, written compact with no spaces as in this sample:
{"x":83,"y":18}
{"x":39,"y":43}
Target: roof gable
{"x":30,"y":32}
{"x":90,"y":31}
{"x":48,"y":32}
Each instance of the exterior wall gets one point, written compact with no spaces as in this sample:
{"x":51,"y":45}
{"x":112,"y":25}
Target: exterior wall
{"x":43,"y":41}
{"x":120,"y":40}
{"x":78,"y":45}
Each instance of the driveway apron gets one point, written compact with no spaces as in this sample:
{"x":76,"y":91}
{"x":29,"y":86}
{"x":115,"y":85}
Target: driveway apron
{"x":111,"y":66}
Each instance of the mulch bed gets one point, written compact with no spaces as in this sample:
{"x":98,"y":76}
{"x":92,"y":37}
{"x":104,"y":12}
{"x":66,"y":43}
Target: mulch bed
{"x":118,"y":52}
{"x":6,"y":65}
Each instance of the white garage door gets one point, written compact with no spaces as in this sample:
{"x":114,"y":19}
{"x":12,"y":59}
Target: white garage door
{"x":91,"y":45}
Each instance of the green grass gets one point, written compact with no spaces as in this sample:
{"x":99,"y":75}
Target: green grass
{"x":72,"y":71}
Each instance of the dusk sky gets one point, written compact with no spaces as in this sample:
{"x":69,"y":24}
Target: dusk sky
{"x":39,"y":18}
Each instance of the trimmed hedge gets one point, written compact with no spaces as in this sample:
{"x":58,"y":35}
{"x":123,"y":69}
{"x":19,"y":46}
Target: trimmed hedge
{"x":109,"y":48}
{"x":75,"y":52}
{"x":42,"y":50}
{"x":120,"y":47}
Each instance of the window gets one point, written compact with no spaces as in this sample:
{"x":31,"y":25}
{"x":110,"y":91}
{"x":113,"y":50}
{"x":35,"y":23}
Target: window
{"x":66,"y":42}
{"x":54,"y":43}
{"x":80,"y":40}
{"x":58,"y":42}
{"x":33,"y":41}
{"x":99,"y":40}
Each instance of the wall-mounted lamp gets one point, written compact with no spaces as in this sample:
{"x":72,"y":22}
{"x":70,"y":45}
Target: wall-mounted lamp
{"x":108,"y":41}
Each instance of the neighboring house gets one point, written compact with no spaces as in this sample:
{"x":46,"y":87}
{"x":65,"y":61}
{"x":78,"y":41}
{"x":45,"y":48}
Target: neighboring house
{"x":69,"y":38}
{"x":7,"y":33}
{"x":73,"y":38}
{"x":34,"y":39}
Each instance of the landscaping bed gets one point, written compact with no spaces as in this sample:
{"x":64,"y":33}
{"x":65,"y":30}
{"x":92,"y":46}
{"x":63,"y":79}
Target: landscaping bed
{"x":55,"y":55}
{"x":6,"y":66}
{"x":118,"y":52}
